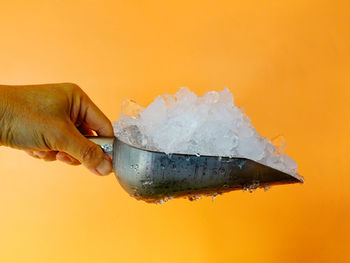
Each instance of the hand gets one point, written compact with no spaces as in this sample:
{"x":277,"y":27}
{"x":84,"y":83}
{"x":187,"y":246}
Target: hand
{"x":50,"y":121}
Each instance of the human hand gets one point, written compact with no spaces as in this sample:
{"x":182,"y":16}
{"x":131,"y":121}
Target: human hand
{"x":49,"y":122}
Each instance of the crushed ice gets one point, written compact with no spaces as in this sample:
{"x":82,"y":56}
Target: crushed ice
{"x":207,"y":125}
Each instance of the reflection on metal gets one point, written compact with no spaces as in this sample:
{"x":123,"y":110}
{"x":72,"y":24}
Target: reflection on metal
{"x":153,"y":176}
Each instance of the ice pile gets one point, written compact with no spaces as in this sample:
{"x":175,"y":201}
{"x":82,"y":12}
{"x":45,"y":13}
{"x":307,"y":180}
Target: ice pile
{"x":207,"y":125}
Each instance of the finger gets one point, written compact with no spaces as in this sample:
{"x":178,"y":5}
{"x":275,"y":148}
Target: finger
{"x":85,"y":151}
{"x":85,"y":130}
{"x":66,"y":158}
{"x":94,"y":118}
{"x":45,"y":155}
{"x":31,"y":153}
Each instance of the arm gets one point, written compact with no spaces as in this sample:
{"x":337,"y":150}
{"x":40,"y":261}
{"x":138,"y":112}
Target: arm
{"x":49,"y":121}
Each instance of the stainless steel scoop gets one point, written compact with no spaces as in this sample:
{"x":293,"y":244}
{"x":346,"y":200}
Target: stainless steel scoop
{"x":155,"y":176}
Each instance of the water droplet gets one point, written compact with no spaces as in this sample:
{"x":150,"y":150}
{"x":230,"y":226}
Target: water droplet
{"x":213,"y":197}
{"x":197,"y":154}
{"x":146,"y":182}
{"x":163,"y":200}
{"x":240,"y":164}
{"x":159,"y":201}
{"x":251,"y":188}
{"x":219,"y":158}
{"x":194,"y":198}
{"x":266,"y":188}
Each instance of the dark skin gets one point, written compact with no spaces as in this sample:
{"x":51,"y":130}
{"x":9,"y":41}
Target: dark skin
{"x":49,"y":122}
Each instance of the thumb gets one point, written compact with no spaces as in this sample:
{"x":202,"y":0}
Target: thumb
{"x":87,"y":152}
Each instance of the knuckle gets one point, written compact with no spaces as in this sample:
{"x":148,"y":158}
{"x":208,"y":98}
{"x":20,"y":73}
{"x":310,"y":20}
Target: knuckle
{"x":70,"y":87}
{"x":90,"y":155}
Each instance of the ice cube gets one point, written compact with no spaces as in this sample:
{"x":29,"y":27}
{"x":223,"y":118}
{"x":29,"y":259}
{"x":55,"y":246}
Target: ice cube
{"x":154,"y":114}
{"x":251,"y":148}
{"x":185,"y":97}
{"x":280,"y":143}
{"x":131,"y":108}
{"x":225,"y":96}
{"x":210,"y":98}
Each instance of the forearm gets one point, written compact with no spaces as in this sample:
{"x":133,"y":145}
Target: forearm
{"x":3,"y":111}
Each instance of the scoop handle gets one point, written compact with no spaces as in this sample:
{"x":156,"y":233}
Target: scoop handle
{"x":106,"y":143}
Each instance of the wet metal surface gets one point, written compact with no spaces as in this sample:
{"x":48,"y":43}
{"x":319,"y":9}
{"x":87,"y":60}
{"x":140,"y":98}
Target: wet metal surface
{"x":153,"y":176}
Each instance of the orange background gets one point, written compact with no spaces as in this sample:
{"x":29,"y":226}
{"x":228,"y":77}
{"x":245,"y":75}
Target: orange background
{"x":287,"y":63}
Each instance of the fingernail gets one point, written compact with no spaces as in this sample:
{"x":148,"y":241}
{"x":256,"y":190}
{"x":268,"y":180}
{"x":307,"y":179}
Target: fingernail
{"x":30,"y":153}
{"x":67,"y":159}
{"x":36,"y":155}
{"x":105,"y":167}
{"x":93,"y":170}
{"x":41,"y":154}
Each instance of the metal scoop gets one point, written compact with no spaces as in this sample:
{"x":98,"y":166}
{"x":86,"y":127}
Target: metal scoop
{"x":155,"y":176}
